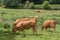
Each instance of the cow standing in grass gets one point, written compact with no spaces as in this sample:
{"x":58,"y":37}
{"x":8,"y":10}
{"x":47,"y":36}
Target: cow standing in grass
{"x":48,"y":24}
{"x":25,"y":23}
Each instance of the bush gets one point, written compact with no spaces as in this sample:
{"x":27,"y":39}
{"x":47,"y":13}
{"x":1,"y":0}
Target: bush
{"x":27,"y":4}
{"x":7,"y":25}
{"x":11,"y":3}
{"x":21,"y":5}
{"x":46,"y":5}
{"x":31,"y":5}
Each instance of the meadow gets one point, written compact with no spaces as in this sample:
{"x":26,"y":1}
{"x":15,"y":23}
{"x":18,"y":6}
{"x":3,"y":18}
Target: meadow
{"x":10,"y":15}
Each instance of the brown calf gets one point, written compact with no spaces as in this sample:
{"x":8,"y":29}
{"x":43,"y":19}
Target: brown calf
{"x":48,"y":24}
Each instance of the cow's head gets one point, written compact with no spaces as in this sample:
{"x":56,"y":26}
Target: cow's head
{"x":42,"y":27}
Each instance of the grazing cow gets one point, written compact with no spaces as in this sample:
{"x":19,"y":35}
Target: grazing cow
{"x":48,"y":24}
{"x":26,"y":24}
{"x":36,"y":10}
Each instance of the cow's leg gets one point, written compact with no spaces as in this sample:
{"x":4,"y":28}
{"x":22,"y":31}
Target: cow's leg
{"x":23,"y":33}
{"x":54,"y":29}
{"x":46,"y":28}
{"x":14,"y":30}
{"x":55,"y":26}
{"x":34,"y":29}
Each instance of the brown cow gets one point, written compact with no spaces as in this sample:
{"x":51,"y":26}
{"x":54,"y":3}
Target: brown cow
{"x":18,"y":20}
{"x":25,"y":19}
{"x":36,"y":10}
{"x":48,"y":24}
{"x":25,"y":24}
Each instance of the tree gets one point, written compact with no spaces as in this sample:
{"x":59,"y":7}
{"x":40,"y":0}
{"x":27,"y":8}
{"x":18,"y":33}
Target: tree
{"x":46,"y":5}
{"x":27,"y":4}
{"x":11,"y":3}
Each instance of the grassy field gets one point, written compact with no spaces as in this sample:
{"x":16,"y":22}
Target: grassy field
{"x":9,"y":15}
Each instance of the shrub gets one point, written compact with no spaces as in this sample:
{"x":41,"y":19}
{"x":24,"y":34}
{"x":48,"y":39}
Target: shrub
{"x":6,"y":25}
{"x":21,"y":5}
{"x":27,"y":4}
{"x":31,"y":5}
{"x":11,"y":3}
{"x":46,"y":5}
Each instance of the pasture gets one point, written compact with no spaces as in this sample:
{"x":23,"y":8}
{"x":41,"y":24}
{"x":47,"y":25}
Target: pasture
{"x":10,"y":15}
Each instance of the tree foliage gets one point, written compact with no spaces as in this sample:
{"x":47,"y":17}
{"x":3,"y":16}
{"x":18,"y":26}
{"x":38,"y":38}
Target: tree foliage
{"x":46,"y":5}
{"x":11,"y":3}
{"x":21,"y":3}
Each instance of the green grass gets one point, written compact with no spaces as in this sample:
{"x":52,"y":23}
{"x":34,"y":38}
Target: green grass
{"x":56,"y":5}
{"x":13,"y":14}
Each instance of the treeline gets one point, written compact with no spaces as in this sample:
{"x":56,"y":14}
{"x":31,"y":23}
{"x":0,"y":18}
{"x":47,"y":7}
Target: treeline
{"x":41,"y":1}
{"x":24,"y":3}
{"x":10,"y":3}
